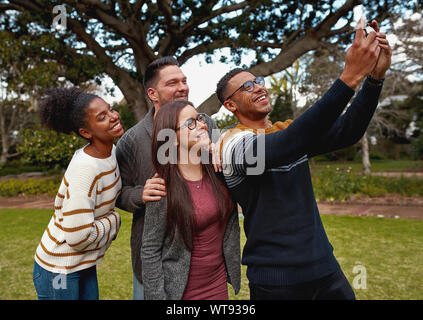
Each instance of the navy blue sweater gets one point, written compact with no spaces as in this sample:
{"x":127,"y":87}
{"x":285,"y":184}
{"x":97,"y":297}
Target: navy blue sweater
{"x":269,"y":176}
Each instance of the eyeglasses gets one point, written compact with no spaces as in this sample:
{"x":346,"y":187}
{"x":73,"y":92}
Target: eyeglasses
{"x":191,"y":123}
{"x":249,"y":85}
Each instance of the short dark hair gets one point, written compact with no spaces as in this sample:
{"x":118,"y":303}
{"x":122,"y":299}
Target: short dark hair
{"x":154,"y":67}
{"x":223,"y":82}
{"x":64,"y":109}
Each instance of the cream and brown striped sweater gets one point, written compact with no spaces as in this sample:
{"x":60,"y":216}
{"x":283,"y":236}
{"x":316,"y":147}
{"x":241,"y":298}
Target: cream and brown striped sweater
{"x":84,"y":222}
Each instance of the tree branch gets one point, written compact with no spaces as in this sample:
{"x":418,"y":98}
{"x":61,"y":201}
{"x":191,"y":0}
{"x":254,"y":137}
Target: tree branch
{"x":130,"y":29}
{"x":93,"y":46}
{"x":8,"y":6}
{"x":196,"y":21}
{"x":310,"y":41}
{"x":204,"y":47}
{"x":107,"y":18}
{"x":136,"y":7}
{"x":29,"y":5}
{"x":98,"y":4}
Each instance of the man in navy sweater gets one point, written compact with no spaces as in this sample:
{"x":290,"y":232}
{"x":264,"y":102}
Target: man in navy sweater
{"x":287,"y":252}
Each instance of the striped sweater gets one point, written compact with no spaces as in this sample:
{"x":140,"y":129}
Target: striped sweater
{"x":84,"y":222}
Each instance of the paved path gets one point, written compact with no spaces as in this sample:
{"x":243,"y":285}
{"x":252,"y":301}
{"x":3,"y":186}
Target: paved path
{"x":386,"y":211}
{"x":413,"y":211}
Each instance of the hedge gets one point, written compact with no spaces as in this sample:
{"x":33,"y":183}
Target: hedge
{"x":14,"y":187}
{"x":329,"y":185}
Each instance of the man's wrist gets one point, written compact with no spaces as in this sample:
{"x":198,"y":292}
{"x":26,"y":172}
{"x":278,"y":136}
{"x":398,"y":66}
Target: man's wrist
{"x":350,"y":80}
{"x":378,"y":82}
{"x":377,"y":75}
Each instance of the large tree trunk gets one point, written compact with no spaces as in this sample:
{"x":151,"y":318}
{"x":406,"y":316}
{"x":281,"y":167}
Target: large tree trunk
{"x":134,"y":94}
{"x":365,"y":154}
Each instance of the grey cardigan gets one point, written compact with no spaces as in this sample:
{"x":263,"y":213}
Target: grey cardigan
{"x":166,"y":262}
{"x":133,"y":153}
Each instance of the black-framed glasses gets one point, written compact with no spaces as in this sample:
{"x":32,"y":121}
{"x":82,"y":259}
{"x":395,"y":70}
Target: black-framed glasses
{"x":249,"y":85}
{"x":191,"y":123}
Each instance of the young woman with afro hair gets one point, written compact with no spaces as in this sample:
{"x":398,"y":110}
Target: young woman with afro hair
{"x":84,"y":222}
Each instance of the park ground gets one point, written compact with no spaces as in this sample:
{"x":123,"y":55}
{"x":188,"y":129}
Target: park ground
{"x":381,"y":235}
{"x":382,"y":207}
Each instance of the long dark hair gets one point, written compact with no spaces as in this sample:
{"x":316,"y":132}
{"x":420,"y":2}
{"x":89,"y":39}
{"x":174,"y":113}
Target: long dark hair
{"x":180,"y":208}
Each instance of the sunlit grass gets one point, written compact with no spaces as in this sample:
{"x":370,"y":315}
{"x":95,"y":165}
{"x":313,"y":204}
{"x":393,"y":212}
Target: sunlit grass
{"x":389,"y":249}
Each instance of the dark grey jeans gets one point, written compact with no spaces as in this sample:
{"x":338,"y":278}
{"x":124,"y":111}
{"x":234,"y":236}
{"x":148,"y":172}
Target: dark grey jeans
{"x":332,"y":287}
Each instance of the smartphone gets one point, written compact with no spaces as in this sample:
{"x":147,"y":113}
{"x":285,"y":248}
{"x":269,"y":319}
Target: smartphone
{"x":368,"y":29}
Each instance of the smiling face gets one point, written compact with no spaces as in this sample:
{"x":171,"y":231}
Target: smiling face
{"x":171,"y":85}
{"x":197,"y":137}
{"x":247,"y":105}
{"x":103,"y":123}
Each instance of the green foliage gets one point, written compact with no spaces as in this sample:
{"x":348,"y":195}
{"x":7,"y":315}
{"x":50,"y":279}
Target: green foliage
{"x":16,"y":167}
{"x":127,"y":118}
{"x":225,"y":121}
{"x":340,"y":184}
{"x":48,"y":148}
{"x":281,"y":109}
{"x":100,"y":36}
{"x":282,"y":88}
{"x":14,"y":187}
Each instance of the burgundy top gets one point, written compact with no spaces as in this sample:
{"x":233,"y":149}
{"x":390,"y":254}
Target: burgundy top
{"x":207,"y":274}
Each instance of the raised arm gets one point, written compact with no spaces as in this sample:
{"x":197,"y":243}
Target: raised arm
{"x":250,"y":151}
{"x":351,"y":126}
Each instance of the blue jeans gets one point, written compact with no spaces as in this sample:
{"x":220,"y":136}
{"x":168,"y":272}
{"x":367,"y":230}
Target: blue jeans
{"x":138,"y":293}
{"x":80,"y":285}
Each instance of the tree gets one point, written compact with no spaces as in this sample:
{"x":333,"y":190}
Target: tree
{"x":125,"y":36}
{"x":18,"y":75}
{"x":390,"y":120}
{"x":26,"y":68}
{"x":283,"y":91}
{"x":416,"y":102}
{"x":408,"y":72}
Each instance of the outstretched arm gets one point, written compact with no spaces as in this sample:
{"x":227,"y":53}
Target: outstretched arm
{"x":351,"y":126}
{"x":286,"y":146}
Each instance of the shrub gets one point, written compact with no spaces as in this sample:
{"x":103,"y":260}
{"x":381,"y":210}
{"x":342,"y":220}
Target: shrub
{"x":339,"y":184}
{"x":127,"y":118}
{"x":48,"y":148}
{"x":14,"y":187}
{"x":16,"y":167}
{"x":225,"y":120}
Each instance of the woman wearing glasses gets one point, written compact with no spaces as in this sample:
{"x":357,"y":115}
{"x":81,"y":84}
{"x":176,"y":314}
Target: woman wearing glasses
{"x":190,"y":246}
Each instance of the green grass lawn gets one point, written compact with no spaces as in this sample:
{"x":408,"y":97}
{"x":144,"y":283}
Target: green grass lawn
{"x":389,"y":250}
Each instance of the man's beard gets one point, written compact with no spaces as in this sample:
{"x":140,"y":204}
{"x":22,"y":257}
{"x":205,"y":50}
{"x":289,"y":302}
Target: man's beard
{"x":180,"y":98}
{"x":174,"y":98}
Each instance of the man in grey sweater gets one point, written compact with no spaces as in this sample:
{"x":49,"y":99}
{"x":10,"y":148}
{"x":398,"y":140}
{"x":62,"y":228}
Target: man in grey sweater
{"x":164,"y":82}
